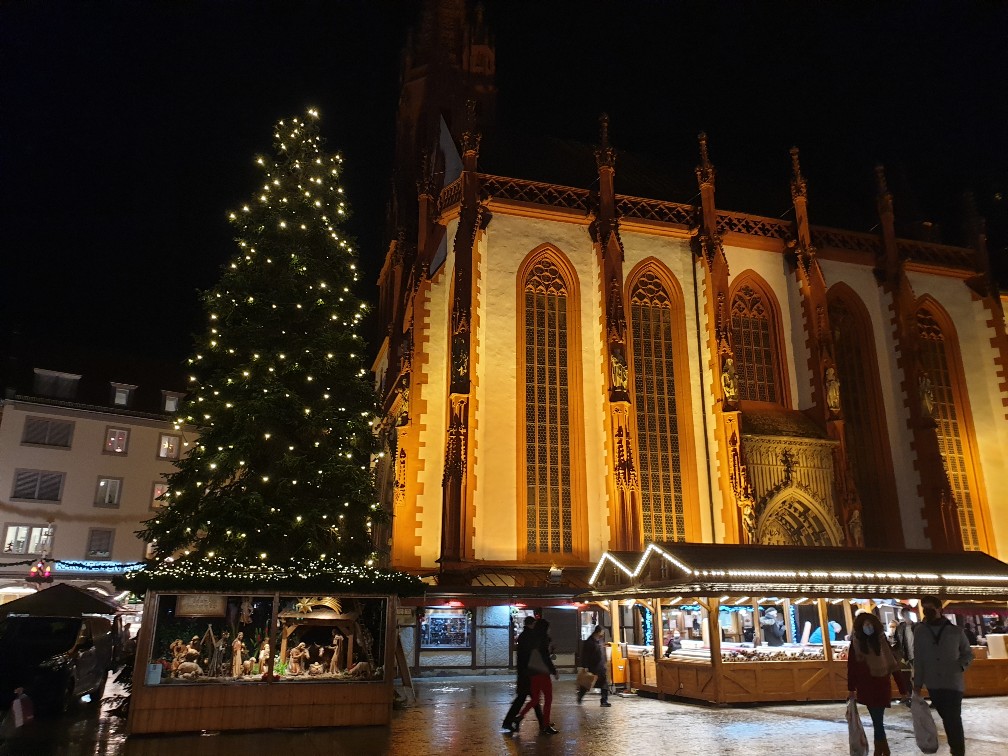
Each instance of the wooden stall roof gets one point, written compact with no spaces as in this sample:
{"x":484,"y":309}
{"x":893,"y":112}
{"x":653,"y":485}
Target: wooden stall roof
{"x":488,"y":583}
{"x":703,"y":569}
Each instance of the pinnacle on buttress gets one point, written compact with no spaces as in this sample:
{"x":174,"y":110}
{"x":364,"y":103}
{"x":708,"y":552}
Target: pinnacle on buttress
{"x":605,"y":155}
{"x":704,"y":171}
{"x":799,"y":187}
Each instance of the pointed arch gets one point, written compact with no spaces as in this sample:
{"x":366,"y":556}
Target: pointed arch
{"x":940,"y":360}
{"x":757,"y":340}
{"x":794,"y":518}
{"x":663,"y":414}
{"x":866,"y":436}
{"x":552,"y":516}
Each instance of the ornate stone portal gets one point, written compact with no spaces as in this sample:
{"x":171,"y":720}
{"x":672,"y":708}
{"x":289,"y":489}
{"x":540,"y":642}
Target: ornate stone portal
{"x":792,"y":480}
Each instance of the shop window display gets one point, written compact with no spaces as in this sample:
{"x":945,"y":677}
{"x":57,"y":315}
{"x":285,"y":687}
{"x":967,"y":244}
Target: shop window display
{"x":445,"y":628}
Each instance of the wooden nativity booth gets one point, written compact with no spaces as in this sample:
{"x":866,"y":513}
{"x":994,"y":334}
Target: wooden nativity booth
{"x":302,"y":652}
{"x":723,"y":600}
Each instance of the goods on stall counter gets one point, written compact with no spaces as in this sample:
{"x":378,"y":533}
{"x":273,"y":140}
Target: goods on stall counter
{"x":751,"y":654}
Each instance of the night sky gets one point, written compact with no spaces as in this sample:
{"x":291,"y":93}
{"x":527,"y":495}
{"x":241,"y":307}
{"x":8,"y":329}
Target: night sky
{"x":127,"y":129}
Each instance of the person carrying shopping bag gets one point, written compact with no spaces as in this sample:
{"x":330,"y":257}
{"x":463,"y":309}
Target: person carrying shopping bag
{"x":870,"y":664}
{"x":540,"y":667}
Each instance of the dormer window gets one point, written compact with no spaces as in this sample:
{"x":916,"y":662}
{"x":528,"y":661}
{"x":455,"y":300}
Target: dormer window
{"x":170,"y":401}
{"x":122,"y":394}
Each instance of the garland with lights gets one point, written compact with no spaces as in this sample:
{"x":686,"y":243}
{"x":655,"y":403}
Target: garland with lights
{"x":299,"y":577}
{"x":278,"y":390}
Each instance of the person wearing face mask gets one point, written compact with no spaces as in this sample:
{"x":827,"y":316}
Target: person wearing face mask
{"x":941,"y":655}
{"x":870,"y":663}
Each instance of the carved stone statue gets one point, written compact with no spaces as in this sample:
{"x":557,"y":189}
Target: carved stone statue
{"x":855,"y":529}
{"x":832,"y":390}
{"x":729,"y":381}
{"x":927,"y":398}
{"x":618,"y":366}
{"x":237,"y":651}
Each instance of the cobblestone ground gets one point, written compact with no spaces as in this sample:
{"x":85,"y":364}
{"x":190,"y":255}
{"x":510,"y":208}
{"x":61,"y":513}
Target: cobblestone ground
{"x":463,"y":715}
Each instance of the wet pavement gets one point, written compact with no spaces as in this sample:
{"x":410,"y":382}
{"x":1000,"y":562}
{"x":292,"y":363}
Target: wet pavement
{"x":462,"y":716}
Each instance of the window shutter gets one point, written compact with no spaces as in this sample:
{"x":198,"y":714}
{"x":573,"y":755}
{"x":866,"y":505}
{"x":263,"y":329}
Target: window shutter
{"x":25,"y":484}
{"x":49,"y":486}
{"x":35,"y":430}
{"x":60,"y":433}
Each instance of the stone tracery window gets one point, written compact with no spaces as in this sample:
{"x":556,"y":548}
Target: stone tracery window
{"x":754,"y":343}
{"x":548,"y":463}
{"x":656,"y":411}
{"x":949,"y":417}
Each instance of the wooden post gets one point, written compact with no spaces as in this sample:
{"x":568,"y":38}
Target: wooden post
{"x":616,"y":615}
{"x":659,"y":636}
{"x":757,"y":634}
{"x":826,"y":632}
{"x":787,"y":622}
{"x":713,"y":607}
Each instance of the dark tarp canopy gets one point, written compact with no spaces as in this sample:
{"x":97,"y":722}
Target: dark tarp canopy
{"x":61,"y":600}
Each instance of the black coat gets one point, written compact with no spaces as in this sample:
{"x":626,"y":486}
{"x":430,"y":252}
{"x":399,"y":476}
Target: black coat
{"x":593,"y":657}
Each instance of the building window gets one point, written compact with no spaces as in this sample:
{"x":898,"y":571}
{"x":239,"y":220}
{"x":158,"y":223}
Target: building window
{"x":949,"y":417}
{"x":171,"y":402}
{"x":754,"y":344}
{"x":122,"y":394}
{"x":28,"y":539}
{"x":99,"y":544}
{"x":109,"y":490}
{"x":158,"y":490}
{"x":548,"y":463}
{"x":38,"y":485}
{"x":168,"y":446}
{"x":43,"y":431}
{"x":864,"y":418}
{"x":116,"y":440}
{"x":655,"y":403}
{"x":445,"y":628}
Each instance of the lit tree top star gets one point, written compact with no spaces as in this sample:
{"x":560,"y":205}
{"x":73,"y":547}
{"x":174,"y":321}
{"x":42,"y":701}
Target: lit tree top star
{"x":278,"y":388}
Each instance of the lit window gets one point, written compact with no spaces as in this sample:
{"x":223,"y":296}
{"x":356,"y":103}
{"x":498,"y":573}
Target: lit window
{"x":28,"y":539}
{"x":171,"y":403}
{"x":100,"y":543}
{"x":108,"y":492}
{"x":38,"y":485}
{"x":168,"y":446}
{"x":116,"y":440}
{"x":159,"y":490}
{"x":122,"y":394}
{"x":445,"y":628}
{"x":755,"y":345}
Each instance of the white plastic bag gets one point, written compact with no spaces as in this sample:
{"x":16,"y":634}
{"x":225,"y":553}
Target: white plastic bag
{"x":855,"y":731}
{"x":925,"y":732}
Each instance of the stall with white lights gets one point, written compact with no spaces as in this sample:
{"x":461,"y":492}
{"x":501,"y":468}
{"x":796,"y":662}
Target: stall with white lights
{"x":769,"y":623}
{"x":249,"y":648}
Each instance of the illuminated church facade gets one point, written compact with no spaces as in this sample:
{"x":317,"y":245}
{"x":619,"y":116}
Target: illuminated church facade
{"x":568,"y":370}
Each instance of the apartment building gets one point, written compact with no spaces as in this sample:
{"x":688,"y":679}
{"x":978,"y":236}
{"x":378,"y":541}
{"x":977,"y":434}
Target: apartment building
{"x":82,"y":464}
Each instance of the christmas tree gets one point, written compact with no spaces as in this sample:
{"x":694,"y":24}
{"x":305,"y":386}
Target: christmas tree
{"x":278,"y":386}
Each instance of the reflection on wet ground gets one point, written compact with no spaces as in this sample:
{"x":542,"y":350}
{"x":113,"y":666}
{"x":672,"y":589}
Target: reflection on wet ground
{"x":463,"y":715}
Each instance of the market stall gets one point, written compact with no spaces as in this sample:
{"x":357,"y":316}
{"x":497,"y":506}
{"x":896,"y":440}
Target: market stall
{"x":768,"y":623}
{"x":262,"y":656}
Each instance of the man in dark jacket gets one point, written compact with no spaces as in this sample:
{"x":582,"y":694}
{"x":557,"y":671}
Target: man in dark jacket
{"x":941,"y":655}
{"x":524,"y":645}
{"x":593,"y":658}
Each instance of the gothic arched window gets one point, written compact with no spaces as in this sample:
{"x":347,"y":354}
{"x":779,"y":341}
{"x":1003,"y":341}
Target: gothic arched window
{"x":654,"y":390}
{"x":943,"y":371}
{"x":867,"y":440}
{"x":754,"y":340}
{"x":547,"y":322}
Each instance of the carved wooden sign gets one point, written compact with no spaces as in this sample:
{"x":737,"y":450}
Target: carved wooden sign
{"x":201,"y":605}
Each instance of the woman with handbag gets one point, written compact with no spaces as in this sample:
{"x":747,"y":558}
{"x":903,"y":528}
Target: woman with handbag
{"x":540,"y":667}
{"x":870,"y":664}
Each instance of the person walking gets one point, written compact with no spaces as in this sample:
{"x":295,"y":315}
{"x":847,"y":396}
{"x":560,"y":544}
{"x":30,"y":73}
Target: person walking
{"x":524,"y":644}
{"x":903,"y":640}
{"x":540,"y":666}
{"x":941,"y":654}
{"x":870,"y":663}
{"x":593,"y":658}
